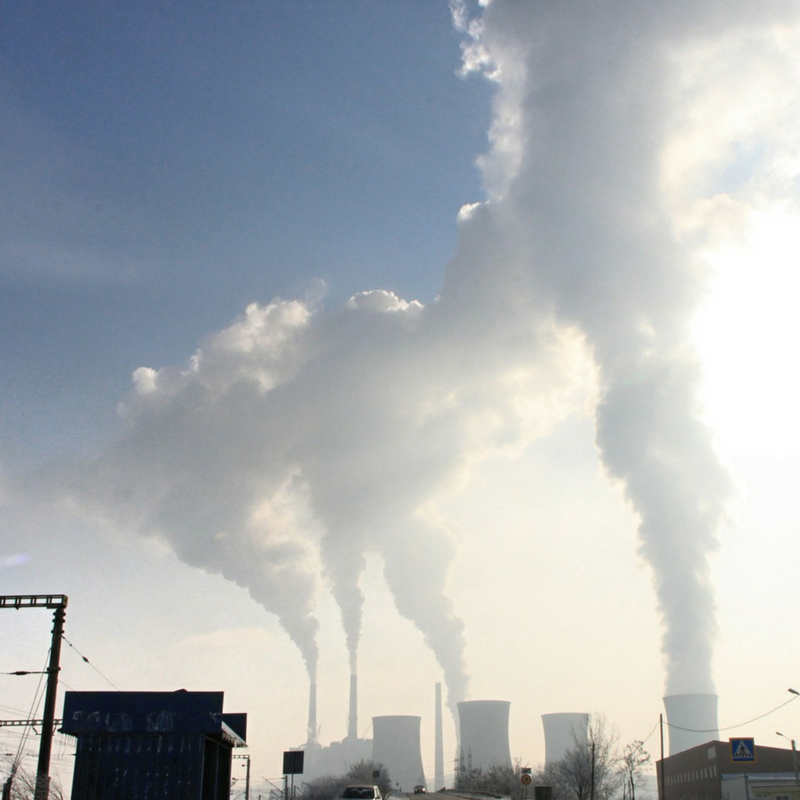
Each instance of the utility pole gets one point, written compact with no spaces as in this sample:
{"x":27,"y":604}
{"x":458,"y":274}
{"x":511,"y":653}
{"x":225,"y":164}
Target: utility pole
{"x":663,"y":765}
{"x":794,"y":756}
{"x":45,"y":748}
{"x":59,"y":603}
{"x":247,"y":776}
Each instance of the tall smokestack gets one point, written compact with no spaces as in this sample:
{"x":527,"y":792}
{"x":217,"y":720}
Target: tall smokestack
{"x":484,"y":732}
{"x":438,"y":760}
{"x":312,"y":714}
{"x":352,"y":723}
{"x":562,"y":733}
{"x":692,"y":720}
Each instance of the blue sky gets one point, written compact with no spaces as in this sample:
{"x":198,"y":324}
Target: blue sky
{"x":165,"y":167}
{"x":514,"y":484}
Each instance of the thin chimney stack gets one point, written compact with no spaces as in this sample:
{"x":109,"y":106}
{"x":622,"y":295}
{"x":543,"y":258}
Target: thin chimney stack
{"x":352,"y":722}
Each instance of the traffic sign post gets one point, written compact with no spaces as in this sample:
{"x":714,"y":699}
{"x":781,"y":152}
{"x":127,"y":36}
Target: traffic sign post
{"x":526,"y":779}
{"x":743,"y":750}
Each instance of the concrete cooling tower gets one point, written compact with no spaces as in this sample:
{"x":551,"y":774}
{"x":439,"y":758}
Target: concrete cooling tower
{"x":396,"y":745}
{"x":563,"y":732}
{"x":692,"y":720}
{"x":483,"y":725}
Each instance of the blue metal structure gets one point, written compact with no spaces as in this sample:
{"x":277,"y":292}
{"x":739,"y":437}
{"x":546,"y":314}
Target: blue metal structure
{"x":152,"y":745}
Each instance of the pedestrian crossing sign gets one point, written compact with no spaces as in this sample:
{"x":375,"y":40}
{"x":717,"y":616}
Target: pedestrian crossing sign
{"x":743,"y":750}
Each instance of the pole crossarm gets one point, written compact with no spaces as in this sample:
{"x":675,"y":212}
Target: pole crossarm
{"x":33,"y":601}
{"x":24,"y":723}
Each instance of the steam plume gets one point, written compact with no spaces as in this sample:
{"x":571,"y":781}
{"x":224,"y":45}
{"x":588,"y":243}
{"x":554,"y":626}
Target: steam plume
{"x":302,"y":438}
{"x":592,"y":99}
{"x":299,"y":434}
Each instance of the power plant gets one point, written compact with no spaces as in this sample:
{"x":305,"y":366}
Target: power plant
{"x":337,"y":757}
{"x":563,"y":732}
{"x":483,"y":726}
{"x":483,"y":736}
{"x":692,"y":720}
{"x":396,"y":745}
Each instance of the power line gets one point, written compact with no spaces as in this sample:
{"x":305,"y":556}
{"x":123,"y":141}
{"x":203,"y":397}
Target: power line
{"x":25,"y":672}
{"x":83,"y":657}
{"x":739,"y":724}
{"x":651,"y":732}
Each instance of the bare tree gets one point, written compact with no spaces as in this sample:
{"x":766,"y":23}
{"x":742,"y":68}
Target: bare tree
{"x":632,"y":763}
{"x":18,"y":784}
{"x":499,"y":780}
{"x":589,"y":769}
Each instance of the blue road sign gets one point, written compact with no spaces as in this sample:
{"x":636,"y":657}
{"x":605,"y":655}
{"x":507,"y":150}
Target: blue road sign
{"x":743,"y":749}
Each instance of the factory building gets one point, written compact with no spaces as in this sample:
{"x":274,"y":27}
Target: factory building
{"x":709,"y":772}
{"x":337,"y":757}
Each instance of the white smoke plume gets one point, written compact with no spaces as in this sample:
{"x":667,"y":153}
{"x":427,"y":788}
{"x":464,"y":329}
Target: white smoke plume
{"x":298,"y":435}
{"x":599,"y":171}
{"x":302,"y":436}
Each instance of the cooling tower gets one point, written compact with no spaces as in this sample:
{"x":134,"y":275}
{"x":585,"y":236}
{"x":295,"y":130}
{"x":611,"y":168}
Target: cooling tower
{"x":692,"y":720}
{"x":438,"y":760}
{"x":396,"y":745}
{"x":312,"y":714}
{"x":484,"y":733}
{"x":352,"y":719}
{"x":563,"y":732}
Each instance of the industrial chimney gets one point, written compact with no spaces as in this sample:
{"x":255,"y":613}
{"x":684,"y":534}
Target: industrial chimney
{"x":438,"y":761}
{"x":352,"y":720}
{"x":312,"y":714}
{"x":562,"y":733}
{"x":396,"y":745}
{"x":484,"y":733}
{"x":692,"y":720}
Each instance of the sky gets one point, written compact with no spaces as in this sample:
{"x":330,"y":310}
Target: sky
{"x":440,"y":342}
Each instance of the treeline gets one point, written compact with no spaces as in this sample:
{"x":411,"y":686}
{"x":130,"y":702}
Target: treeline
{"x":594,"y":769}
{"x":329,"y":787}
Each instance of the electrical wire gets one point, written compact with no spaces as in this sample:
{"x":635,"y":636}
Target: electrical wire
{"x":738,"y":725}
{"x":37,"y":699}
{"x":24,"y":672}
{"x":83,"y":657}
{"x":651,"y":733}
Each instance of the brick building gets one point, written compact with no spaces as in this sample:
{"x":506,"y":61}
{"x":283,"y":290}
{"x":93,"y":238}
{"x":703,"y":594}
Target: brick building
{"x":708,"y":772}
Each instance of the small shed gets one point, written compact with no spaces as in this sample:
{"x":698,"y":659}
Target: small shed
{"x":152,"y":745}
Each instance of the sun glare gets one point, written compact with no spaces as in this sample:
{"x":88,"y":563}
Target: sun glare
{"x":747,"y":334}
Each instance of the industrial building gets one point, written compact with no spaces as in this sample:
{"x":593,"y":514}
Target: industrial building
{"x":157,"y":745}
{"x":709,"y":772}
{"x":337,"y":757}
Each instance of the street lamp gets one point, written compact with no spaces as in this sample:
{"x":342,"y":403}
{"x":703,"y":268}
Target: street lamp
{"x":794,"y":754}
